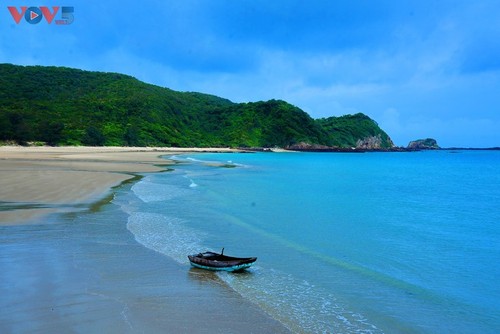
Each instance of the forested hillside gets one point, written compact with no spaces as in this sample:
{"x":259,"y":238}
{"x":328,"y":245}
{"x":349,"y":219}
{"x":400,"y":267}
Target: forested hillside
{"x":356,"y":130}
{"x":62,"y":106}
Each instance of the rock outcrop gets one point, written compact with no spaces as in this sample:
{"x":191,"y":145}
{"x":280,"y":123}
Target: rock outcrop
{"x":302,"y":146}
{"x":306,"y":147}
{"x":373,"y":143}
{"x":423,"y":144}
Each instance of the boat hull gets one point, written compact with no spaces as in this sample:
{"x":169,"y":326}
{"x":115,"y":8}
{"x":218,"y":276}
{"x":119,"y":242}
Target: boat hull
{"x":220,"y":262}
{"x":230,"y":269}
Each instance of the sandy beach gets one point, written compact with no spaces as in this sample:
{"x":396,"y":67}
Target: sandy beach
{"x":85,"y":272}
{"x":35,"y":181}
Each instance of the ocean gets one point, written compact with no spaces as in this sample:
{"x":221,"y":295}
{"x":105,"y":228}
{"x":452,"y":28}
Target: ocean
{"x":346,"y":243}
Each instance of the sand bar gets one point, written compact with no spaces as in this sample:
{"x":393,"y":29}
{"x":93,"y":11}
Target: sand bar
{"x":35,"y":181}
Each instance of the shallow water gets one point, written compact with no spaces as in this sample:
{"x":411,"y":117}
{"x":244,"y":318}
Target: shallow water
{"x":351,"y":243}
{"x":84,"y":272}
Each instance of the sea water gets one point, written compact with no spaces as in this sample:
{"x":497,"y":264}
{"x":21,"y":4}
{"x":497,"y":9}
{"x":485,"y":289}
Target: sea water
{"x":346,"y":243}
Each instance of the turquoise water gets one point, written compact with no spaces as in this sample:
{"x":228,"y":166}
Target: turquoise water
{"x":347,"y":243}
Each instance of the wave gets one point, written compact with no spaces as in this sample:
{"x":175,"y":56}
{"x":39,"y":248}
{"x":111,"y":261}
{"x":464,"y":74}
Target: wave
{"x":230,"y":162}
{"x":165,"y":234}
{"x":298,"y":304}
{"x":149,"y":191}
{"x":213,"y":163}
{"x":195,"y":160}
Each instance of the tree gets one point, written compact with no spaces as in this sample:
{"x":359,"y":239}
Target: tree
{"x":51,"y":132}
{"x":21,"y":130}
{"x":131,"y":136}
{"x":5,"y":127}
{"x":93,"y":137}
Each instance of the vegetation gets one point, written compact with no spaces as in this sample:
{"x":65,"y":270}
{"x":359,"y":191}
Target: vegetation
{"x":62,"y":106}
{"x":348,"y":130}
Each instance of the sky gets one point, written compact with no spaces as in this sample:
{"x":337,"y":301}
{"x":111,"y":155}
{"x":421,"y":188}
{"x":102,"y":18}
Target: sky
{"x":418,"y":68}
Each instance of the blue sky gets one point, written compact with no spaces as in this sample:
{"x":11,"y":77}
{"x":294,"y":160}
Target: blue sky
{"x":419,"y":68}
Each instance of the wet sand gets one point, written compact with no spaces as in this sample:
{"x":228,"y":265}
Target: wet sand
{"x":65,"y":268}
{"x":35,"y":181}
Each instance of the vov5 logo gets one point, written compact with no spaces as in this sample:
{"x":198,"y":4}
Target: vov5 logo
{"x":33,"y":15}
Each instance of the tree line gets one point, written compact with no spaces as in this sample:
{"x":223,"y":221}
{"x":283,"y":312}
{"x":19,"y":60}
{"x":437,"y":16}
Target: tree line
{"x":63,"y":106}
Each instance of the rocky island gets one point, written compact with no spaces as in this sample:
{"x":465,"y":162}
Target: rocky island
{"x":423,"y":144}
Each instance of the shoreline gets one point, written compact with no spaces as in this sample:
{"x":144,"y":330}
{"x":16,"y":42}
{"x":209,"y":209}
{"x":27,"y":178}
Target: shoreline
{"x":36,"y":181}
{"x":103,"y":278}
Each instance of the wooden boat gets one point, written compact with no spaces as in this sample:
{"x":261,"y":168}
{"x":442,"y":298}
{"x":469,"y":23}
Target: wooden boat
{"x":215,"y":261}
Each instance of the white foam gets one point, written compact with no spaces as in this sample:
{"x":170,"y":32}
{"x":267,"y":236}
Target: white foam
{"x":208,"y":162}
{"x":149,"y":191}
{"x":293,"y":301}
{"x":164,"y":234}
{"x":194,"y":160}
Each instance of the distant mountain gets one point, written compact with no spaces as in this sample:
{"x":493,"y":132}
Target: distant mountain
{"x":63,"y":106}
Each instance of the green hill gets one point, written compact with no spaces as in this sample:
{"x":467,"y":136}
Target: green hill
{"x":356,"y":130}
{"x":62,"y":106}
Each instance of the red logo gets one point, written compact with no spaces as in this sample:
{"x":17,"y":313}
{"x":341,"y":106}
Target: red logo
{"x":33,"y":15}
